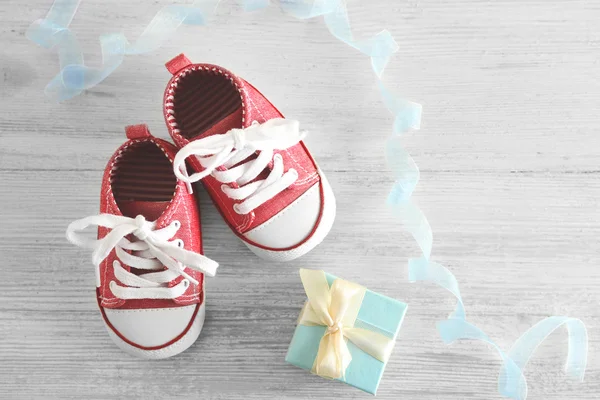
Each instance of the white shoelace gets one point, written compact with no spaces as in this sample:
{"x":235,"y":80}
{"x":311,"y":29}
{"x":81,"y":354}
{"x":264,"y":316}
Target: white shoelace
{"x":152,"y":251}
{"x":233,"y":147}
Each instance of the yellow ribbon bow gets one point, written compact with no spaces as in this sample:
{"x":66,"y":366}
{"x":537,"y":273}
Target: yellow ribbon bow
{"x":337,"y":309}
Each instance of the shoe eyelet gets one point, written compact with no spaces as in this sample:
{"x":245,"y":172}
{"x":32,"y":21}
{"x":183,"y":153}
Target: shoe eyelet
{"x":186,"y":283}
{"x":180,"y":243}
{"x":176,"y":224}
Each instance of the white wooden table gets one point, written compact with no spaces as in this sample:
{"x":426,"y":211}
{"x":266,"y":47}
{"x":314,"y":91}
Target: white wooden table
{"x":509,"y":152}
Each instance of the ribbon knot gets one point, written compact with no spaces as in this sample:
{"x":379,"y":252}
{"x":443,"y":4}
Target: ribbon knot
{"x":239,"y":138}
{"x":334,"y":328}
{"x":144,"y":228}
{"x":337,"y":309}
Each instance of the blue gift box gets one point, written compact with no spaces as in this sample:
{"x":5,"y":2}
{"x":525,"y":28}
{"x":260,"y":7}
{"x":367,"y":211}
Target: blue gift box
{"x":377,"y":313}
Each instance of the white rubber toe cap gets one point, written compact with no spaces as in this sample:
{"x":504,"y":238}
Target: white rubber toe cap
{"x":292,"y":224}
{"x":285,"y":234}
{"x":151,"y":327}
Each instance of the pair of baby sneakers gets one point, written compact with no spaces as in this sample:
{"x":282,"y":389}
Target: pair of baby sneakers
{"x":148,"y":253}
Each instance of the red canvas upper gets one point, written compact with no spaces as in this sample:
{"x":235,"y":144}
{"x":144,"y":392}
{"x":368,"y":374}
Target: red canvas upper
{"x":182,"y":207}
{"x":233,"y":113}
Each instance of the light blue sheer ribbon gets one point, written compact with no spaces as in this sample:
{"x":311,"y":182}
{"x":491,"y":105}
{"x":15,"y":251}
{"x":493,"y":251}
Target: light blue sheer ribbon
{"x":74,"y":77}
{"x":511,"y":381}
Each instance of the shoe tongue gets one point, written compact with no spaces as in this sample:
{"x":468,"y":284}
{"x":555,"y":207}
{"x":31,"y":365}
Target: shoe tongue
{"x":227,"y":123}
{"x":151,"y":210}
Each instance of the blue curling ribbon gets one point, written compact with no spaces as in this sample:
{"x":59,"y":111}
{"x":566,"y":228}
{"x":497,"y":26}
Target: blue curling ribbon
{"x":252,"y":5}
{"x":511,"y":381}
{"x":74,"y":76}
{"x":379,"y":48}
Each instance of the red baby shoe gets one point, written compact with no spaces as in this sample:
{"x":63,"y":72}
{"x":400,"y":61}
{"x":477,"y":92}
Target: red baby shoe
{"x":252,"y":161}
{"x":148,"y":255}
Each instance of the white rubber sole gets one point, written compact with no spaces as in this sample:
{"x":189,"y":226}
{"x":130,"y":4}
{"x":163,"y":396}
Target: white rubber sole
{"x":325,"y":224}
{"x":173,"y":349}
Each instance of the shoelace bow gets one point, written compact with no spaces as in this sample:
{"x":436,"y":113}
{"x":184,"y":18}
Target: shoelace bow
{"x":153,"y":251}
{"x":232,"y":148}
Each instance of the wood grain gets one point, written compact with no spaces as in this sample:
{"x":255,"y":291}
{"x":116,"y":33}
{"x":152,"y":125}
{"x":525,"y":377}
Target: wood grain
{"x":509,"y":153}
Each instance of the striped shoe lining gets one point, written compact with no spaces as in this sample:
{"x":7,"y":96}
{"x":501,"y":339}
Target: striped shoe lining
{"x":202,"y":99}
{"x":143,"y":173}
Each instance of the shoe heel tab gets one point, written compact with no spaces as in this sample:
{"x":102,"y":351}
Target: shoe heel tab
{"x":139,"y":131}
{"x":177,"y":63}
